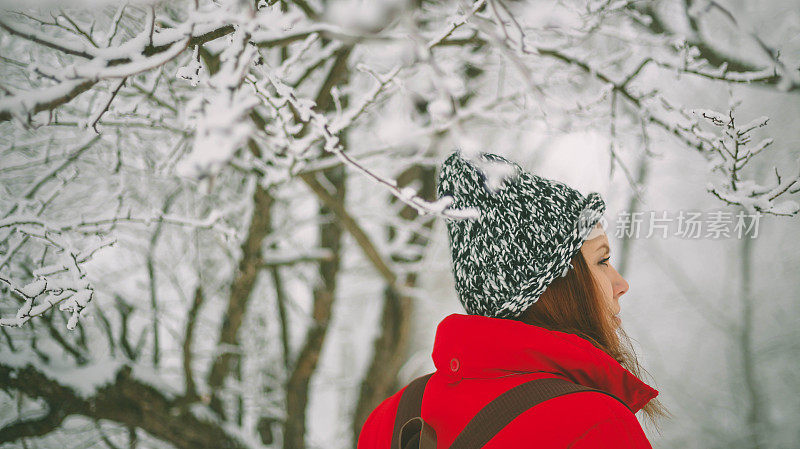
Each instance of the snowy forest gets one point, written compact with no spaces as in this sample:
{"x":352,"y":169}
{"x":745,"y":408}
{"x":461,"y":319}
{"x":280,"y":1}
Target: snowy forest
{"x":219,"y":226}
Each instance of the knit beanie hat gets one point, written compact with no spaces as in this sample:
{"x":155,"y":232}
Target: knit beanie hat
{"x":527,"y":233}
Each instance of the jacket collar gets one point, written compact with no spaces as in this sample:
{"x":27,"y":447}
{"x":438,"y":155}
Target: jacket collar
{"x":486,"y":347}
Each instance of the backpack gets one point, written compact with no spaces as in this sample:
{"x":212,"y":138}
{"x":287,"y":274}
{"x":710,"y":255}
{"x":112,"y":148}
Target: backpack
{"x":412,"y":432}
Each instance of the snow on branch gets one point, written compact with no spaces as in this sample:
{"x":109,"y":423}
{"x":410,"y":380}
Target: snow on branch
{"x":328,"y":131}
{"x":147,"y":50}
{"x":64,"y":284}
{"x":455,"y":22}
{"x":24,"y":105}
{"x":219,"y":119}
{"x":731,"y":149}
{"x":71,"y":293}
{"x":42,"y":228}
{"x":721,"y":73}
{"x":65,"y":45}
{"x":99,"y":70}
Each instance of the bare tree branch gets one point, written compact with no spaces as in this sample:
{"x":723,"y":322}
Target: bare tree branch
{"x":125,"y":400}
{"x":240,"y":292}
{"x":716,"y":57}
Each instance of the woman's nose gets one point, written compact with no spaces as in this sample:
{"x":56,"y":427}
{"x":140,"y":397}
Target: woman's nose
{"x":620,"y":285}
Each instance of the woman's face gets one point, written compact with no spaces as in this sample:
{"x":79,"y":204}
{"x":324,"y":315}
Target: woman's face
{"x":597,"y":253}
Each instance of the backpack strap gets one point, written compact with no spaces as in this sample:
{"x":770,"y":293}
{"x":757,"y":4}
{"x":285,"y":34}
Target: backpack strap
{"x":509,"y":405}
{"x":417,"y":434}
{"x":410,"y":406}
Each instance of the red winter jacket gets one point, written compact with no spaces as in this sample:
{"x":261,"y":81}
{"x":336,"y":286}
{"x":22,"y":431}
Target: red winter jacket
{"x":478,"y":358}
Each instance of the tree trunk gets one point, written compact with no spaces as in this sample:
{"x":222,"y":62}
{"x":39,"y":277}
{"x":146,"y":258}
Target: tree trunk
{"x":297,"y":386}
{"x":392,"y":343}
{"x":756,"y":416}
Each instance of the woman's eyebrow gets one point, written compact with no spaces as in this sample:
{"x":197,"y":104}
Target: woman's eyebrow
{"x":604,"y":246}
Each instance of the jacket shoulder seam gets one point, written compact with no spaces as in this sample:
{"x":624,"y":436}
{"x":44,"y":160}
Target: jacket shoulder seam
{"x":593,"y":427}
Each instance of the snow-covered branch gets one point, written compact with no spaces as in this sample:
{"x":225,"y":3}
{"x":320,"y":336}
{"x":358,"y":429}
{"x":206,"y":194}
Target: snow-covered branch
{"x":328,"y":132}
{"x":146,"y":51}
{"x":730,"y":152}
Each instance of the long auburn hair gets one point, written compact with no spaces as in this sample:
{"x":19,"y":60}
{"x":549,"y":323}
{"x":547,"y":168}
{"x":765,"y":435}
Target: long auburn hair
{"x":573,"y":304}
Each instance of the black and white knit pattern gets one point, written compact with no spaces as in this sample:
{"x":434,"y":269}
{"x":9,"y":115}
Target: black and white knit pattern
{"x":527,"y":233}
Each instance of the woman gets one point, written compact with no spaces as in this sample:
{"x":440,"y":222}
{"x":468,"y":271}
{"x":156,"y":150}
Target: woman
{"x":542,"y":298}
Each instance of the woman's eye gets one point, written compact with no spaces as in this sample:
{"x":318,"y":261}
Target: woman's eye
{"x":605,"y":261}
